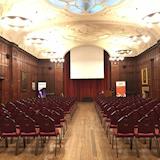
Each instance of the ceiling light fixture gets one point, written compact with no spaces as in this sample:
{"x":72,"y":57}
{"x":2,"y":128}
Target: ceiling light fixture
{"x":124,"y":52}
{"x":152,"y":19}
{"x":116,"y":58}
{"x":36,"y":40}
{"x":57,"y":60}
{"x":140,"y":38}
{"x":16,"y":21}
{"x":48,"y":53}
{"x":84,"y":6}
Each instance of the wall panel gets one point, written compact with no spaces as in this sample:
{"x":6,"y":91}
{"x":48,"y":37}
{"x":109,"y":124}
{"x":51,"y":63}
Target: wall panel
{"x":13,"y":60}
{"x":124,"y":71}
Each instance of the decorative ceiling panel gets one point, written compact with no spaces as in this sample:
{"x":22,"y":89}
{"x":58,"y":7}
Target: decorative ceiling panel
{"x":121,"y":25}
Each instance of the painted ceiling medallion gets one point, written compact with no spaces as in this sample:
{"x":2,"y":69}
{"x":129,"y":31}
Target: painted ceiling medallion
{"x":84,"y":6}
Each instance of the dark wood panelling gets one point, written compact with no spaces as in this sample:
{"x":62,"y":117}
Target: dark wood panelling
{"x":13,"y":60}
{"x":150,"y":59}
{"x":53,"y":74}
{"x":124,"y":71}
{"x":130,"y":71}
{"x":4,"y":69}
{"x":46,"y":72}
{"x":22,"y":62}
{"x":59,"y":78}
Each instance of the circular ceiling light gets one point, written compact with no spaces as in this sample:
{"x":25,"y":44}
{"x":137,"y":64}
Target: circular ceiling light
{"x":36,"y":40}
{"x":140,"y":38}
{"x":124,"y":52}
{"x":16,"y":21}
{"x":48,"y":53}
{"x":57,"y":60}
{"x":153,"y":18}
{"x":84,"y":6}
{"x":116,"y":58}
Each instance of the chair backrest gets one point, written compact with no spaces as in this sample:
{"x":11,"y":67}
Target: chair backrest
{"x":7,"y":125}
{"x":38,"y":118}
{"x":48,"y":125}
{"x":114,"y":117}
{"x":153,"y":116}
{"x":18,"y":117}
{"x":146,"y":125}
{"x":134,"y":116}
{"x":125,"y":126}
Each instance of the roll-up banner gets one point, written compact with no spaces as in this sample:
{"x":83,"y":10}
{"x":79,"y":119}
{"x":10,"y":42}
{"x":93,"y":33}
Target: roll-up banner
{"x":120,"y":89}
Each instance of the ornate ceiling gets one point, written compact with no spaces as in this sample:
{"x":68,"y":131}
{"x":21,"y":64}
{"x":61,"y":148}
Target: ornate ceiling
{"x":39,"y":26}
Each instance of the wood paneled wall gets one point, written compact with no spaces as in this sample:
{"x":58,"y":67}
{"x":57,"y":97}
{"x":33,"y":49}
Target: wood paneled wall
{"x":130,"y":71}
{"x":5,"y":73}
{"x":51,"y":73}
{"x":149,"y":59}
{"x":124,"y":71}
{"x":14,"y":61}
{"x":46,"y":72}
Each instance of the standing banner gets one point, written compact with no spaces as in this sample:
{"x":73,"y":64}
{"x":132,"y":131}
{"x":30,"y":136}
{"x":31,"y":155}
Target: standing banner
{"x":120,"y":89}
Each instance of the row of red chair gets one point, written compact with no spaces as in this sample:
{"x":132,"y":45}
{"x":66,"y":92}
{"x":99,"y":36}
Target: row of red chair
{"x":36,"y":118}
{"x":132,"y":117}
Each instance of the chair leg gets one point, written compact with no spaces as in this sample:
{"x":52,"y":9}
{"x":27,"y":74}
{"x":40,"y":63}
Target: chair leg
{"x":150,"y":143}
{"x":37,"y":145}
{"x":60,"y":140}
{"x":6,"y":142}
{"x":137,"y":150}
{"x":131,"y":143}
{"x":112,"y":141}
{"x":157,"y":145}
{"x":17,"y":146}
{"x":109,"y":135}
{"x":42,"y":141}
{"x":103,"y":122}
{"x":24,"y":142}
{"x":11,"y":141}
{"x":56,"y":147}
{"x":107,"y":129}
{"x":63,"y":131}
{"x":116,"y":147}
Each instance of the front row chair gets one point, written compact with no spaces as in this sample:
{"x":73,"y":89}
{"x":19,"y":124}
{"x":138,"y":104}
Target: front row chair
{"x":47,"y":129}
{"x":125,"y":129}
{"x":8,"y":130}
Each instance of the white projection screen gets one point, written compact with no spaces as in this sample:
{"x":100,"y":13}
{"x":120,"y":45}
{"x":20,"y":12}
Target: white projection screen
{"x":87,"y":62}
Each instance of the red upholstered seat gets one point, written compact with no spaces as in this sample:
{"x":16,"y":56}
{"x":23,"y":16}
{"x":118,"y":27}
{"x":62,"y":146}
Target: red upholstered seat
{"x":8,"y":129}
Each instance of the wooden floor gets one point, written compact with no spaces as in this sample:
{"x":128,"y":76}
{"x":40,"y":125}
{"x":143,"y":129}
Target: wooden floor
{"x":84,"y":140}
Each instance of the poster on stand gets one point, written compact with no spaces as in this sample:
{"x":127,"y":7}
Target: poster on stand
{"x":120,"y":89}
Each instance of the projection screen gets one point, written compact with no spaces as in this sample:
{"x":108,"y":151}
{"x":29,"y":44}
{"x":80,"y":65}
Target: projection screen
{"x":87,"y":62}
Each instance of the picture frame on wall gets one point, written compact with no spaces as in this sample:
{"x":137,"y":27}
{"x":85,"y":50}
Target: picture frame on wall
{"x":144,"y":76}
{"x":24,"y":81}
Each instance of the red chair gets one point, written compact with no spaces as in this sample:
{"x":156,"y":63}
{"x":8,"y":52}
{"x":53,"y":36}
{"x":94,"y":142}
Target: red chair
{"x":8,"y":130}
{"x":47,"y":129}
{"x":28,"y":129}
{"x":125,"y":129}
{"x":145,"y":129}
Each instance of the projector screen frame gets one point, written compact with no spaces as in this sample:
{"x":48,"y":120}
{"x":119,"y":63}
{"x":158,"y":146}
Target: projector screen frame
{"x":74,"y":75}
